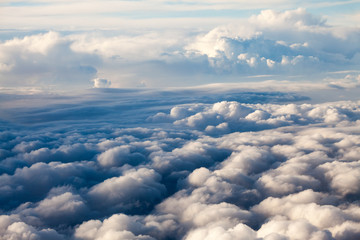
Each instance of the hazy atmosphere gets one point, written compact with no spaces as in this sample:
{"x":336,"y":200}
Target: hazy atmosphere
{"x":179,"y":120}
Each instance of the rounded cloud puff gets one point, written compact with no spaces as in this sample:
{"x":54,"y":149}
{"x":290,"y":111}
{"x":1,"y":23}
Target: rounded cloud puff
{"x":11,"y":227}
{"x":119,"y":194}
{"x":101,"y":83}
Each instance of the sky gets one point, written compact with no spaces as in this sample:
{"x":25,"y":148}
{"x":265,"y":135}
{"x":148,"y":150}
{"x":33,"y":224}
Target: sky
{"x":179,"y":120}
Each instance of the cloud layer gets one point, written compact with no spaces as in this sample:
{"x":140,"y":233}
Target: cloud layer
{"x":204,"y":169}
{"x":287,"y":43}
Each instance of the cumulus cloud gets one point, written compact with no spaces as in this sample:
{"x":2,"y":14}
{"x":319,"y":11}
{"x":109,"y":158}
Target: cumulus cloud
{"x":101,"y":83}
{"x":44,"y":59}
{"x":13,"y":228}
{"x":60,"y":207}
{"x":275,"y":42}
{"x":240,"y":231}
{"x":225,"y":117}
{"x":119,"y":156}
{"x":118,"y":226}
{"x":284,"y":229}
{"x":117,"y":193}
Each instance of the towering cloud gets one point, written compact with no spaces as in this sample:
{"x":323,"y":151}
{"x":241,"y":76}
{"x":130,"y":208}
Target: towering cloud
{"x":275,"y":42}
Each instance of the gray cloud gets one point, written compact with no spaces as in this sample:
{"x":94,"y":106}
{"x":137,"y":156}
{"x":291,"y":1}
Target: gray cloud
{"x":136,"y":190}
{"x":13,"y":228}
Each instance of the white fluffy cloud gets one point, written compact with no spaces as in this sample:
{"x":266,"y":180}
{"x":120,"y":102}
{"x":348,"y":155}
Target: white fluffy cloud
{"x":118,"y":226}
{"x":274,"y":42}
{"x":240,"y":232}
{"x":224,"y":117}
{"x":44,"y":59}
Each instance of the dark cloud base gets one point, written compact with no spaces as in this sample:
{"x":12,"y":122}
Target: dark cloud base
{"x":113,"y":164}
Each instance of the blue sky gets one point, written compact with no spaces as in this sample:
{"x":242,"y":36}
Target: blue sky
{"x":46,"y":14}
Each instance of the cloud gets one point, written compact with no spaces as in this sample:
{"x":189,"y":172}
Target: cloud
{"x":274,"y":158}
{"x":33,"y":183}
{"x":299,"y":17}
{"x":141,"y":47}
{"x":119,"y":156}
{"x":44,"y":59}
{"x":60,"y":207}
{"x":284,"y":229}
{"x":101,"y":83}
{"x":278,"y":42}
{"x":209,"y":162}
{"x":343,"y":178}
{"x":282,"y":43}
{"x":117,"y":193}
{"x":156,"y":14}
{"x":13,"y":228}
{"x":118,"y":226}
{"x":225,"y":117}
{"x":240,"y":231}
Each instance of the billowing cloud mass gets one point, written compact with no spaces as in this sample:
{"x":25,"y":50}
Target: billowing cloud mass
{"x":274,"y":42}
{"x":144,"y":164}
{"x":285,"y":43}
{"x":44,"y":59}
